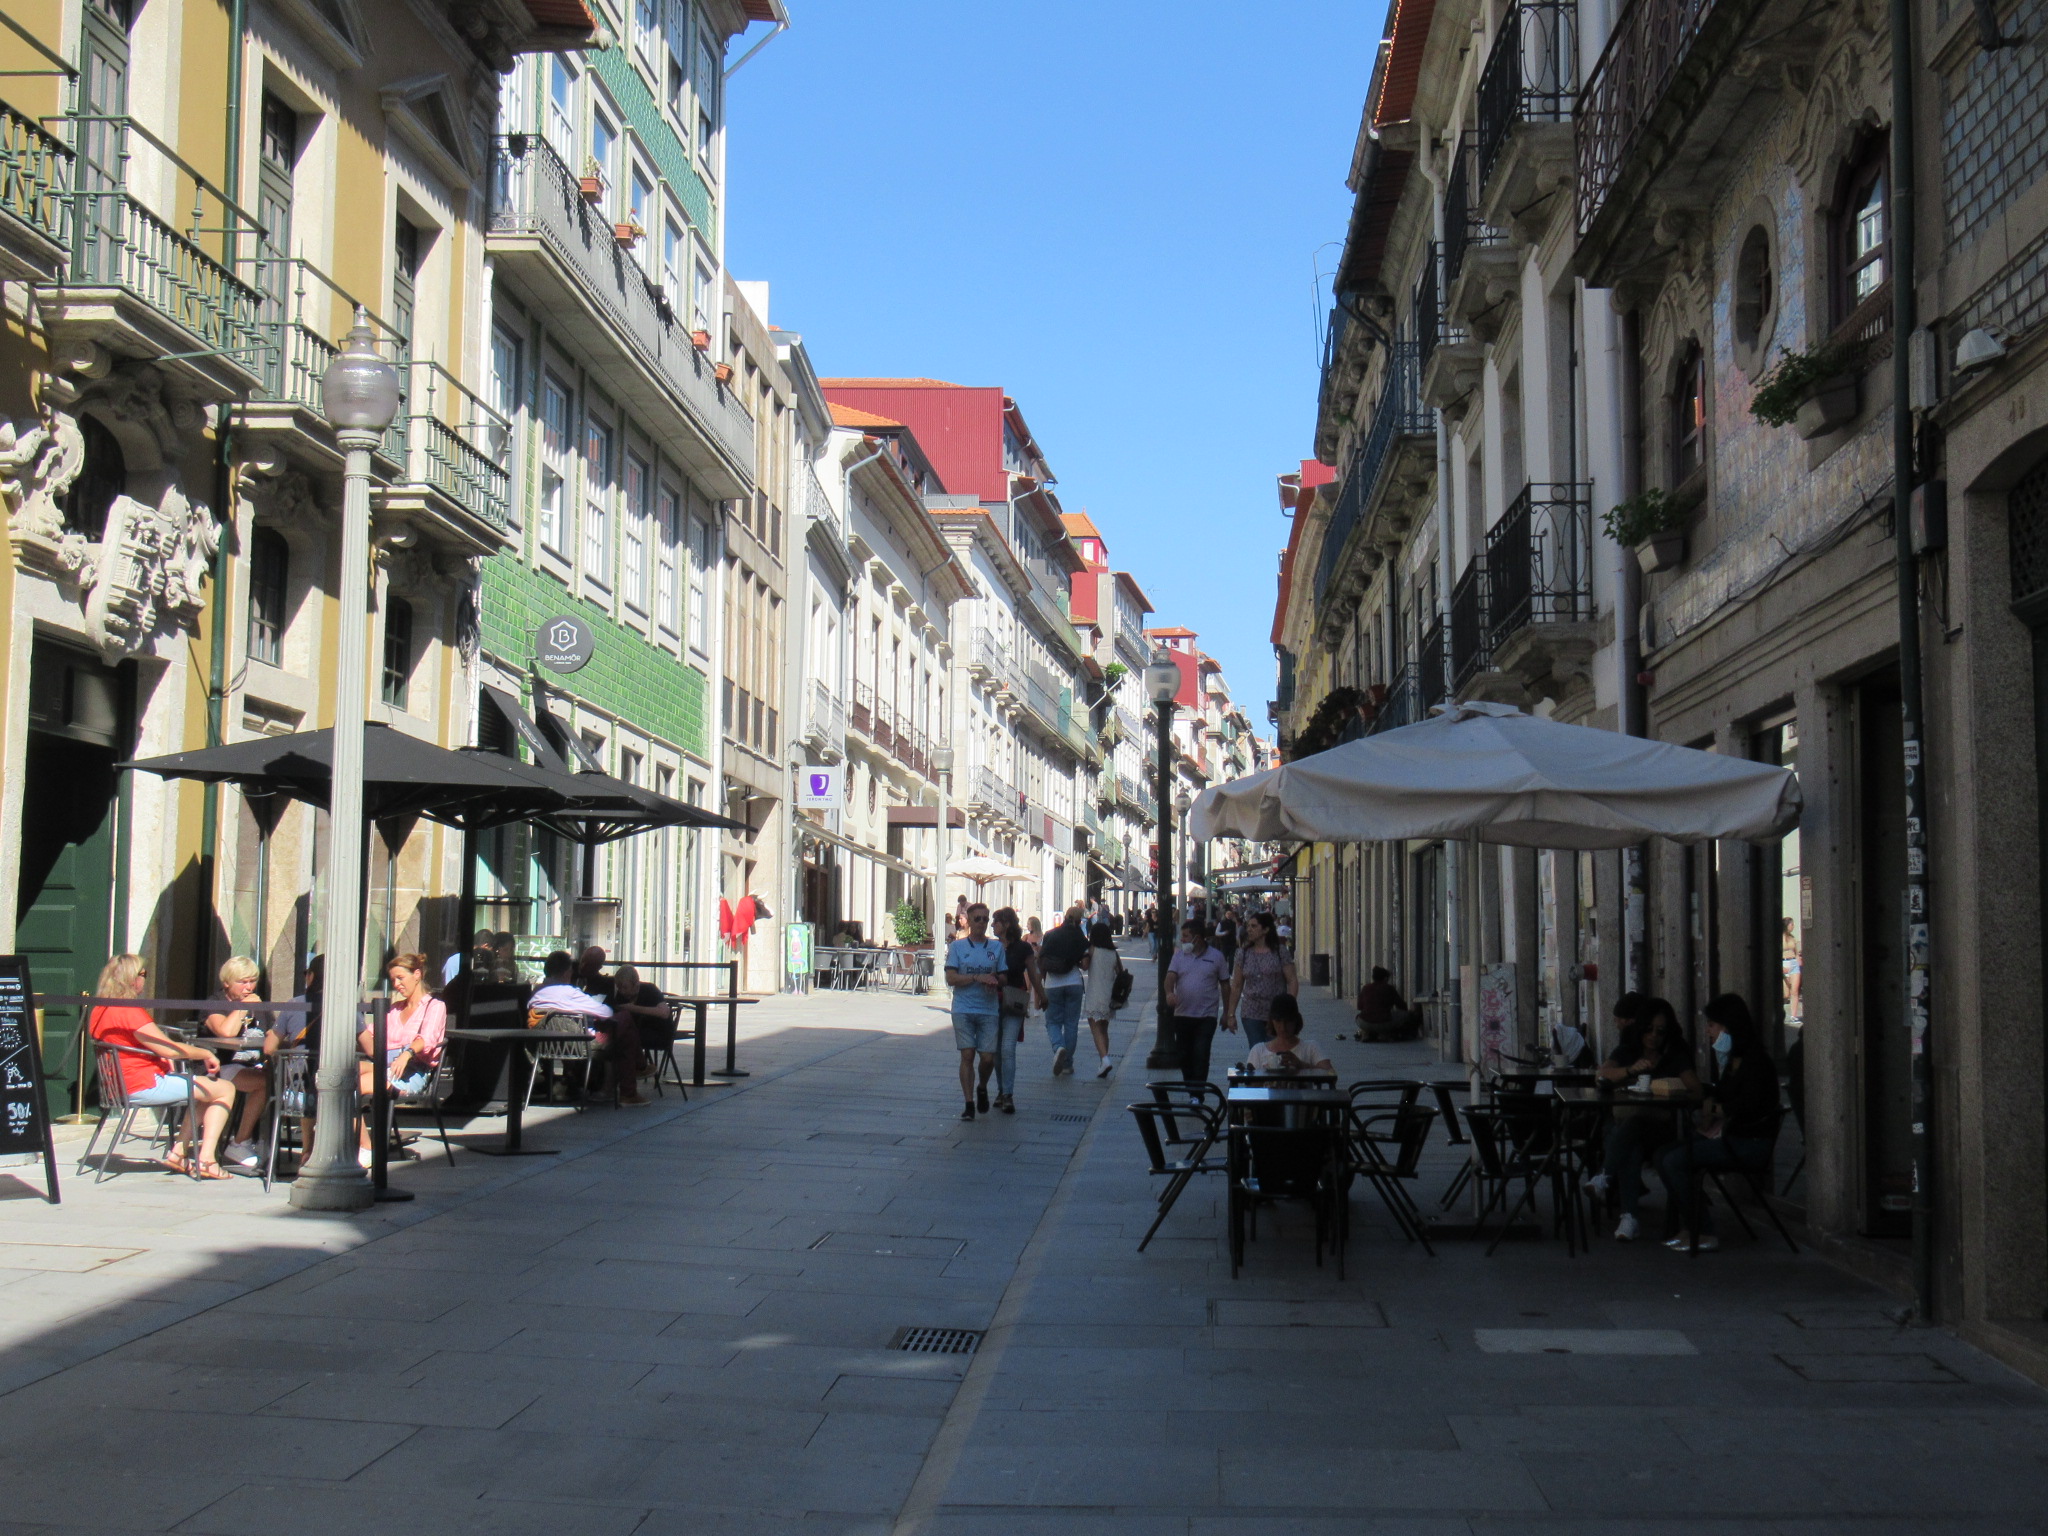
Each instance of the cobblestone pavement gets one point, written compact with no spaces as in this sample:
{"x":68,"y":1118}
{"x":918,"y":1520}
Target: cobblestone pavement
{"x":682,"y":1323}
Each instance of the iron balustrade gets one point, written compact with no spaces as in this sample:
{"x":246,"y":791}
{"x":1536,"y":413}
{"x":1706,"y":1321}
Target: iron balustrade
{"x":1427,"y":306}
{"x":1401,"y":706}
{"x":1333,"y":344}
{"x":1400,"y":412}
{"x":117,"y":242}
{"x":35,"y":176}
{"x":1431,"y":685}
{"x":828,"y":712}
{"x":1539,"y":561}
{"x":1469,"y":650}
{"x":456,"y":443}
{"x":535,"y":195}
{"x":1463,"y":228}
{"x":1529,"y":75}
{"x":1636,"y":67}
{"x":863,"y":709}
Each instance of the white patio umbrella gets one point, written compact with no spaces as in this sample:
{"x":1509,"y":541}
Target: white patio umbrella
{"x":1251,"y":885}
{"x":1494,"y":774}
{"x":981,"y":869}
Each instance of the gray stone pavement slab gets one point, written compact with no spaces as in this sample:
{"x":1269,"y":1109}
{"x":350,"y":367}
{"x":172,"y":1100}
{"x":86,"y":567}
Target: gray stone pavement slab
{"x":682,"y":1323}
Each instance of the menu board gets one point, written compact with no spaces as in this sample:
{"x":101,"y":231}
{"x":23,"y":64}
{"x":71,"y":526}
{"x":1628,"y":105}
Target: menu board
{"x":24,"y":1111}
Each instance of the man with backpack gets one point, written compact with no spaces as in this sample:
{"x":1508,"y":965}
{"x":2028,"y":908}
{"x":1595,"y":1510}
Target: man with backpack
{"x":1059,"y":958}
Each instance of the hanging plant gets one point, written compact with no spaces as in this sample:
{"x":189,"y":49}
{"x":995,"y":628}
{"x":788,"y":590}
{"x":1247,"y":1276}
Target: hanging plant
{"x":1642,"y":517}
{"x":1798,"y":377}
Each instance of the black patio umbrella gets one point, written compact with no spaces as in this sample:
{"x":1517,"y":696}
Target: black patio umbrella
{"x":597,"y":808}
{"x":402,"y":776}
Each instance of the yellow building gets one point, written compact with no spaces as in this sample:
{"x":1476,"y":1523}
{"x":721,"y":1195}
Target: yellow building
{"x":195,"y":201}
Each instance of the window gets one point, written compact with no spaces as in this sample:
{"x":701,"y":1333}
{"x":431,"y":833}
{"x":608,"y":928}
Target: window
{"x":1689,"y":414}
{"x":640,"y":201}
{"x":672,"y":260}
{"x":700,"y":300}
{"x":638,"y":513}
{"x":405,"y":268}
{"x":397,"y":651}
{"x":604,"y":154}
{"x":1756,"y":298}
{"x":707,"y":103}
{"x":1863,"y":228}
{"x":599,"y":470}
{"x":562,"y":107}
{"x":270,"y":563}
{"x":704,"y":545}
{"x":555,"y":439}
{"x":646,"y":29}
{"x":508,"y":371}
{"x":668,"y":531}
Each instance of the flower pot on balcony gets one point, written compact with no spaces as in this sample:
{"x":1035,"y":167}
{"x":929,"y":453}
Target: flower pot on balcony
{"x":724,"y":373}
{"x":627,"y":234}
{"x":1661,"y":551}
{"x":701,"y":340}
{"x":592,"y":188}
{"x":1830,"y":407}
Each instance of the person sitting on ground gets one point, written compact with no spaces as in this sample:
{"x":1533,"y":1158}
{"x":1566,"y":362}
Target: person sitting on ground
{"x":415,"y":1028}
{"x":1377,"y":1004}
{"x":1652,"y":1045}
{"x":1284,"y":1050}
{"x":245,"y":1074}
{"x":639,"y":1014}
{"x":144,"y":1049}
{"x":1737,"y":1126}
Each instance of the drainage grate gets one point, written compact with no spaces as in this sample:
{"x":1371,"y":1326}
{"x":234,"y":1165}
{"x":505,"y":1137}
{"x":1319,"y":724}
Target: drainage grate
{"x":1070,"y":1119}
{"x":937,"y":1341}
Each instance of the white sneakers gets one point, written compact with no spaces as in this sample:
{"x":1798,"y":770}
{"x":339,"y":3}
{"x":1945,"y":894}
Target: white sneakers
{"x":1598,"y":1184}
{"x":1104,"y":1069}
{"x":1626,"y":1229}
{"x":243,"y":1154}
{"x":1681,"y":1244}
{"x":1062,"y":1061}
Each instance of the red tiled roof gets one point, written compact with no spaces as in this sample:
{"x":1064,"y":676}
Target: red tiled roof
{"x":1080,"y":525}
{"x":847,"y":416}
{"x":887,"y":384}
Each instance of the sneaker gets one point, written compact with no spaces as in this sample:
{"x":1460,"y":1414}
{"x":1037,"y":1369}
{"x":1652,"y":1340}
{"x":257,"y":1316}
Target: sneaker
{"x":1006,"y":1104}
{"x":242,"y":1154}
{"x":967,"y":1113}
{"x":1626,"y":1229}
{"x":1598,"y":1185}
{"x":1104,"y":1069}
{"x":633,"y":1101}
{"x":981,"y":1098}
{"x":1709,"y":1242}
{"x":1062,"y":1061}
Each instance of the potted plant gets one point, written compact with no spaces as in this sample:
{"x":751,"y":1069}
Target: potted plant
{"x":1653,"y":525}
{"x":701,"y":340}
{"x":911,"y":928}
{"x":1814,"y":392}
{"x":723,"y":372}
{"x":591,"y":182}
{"x":627,"y":232}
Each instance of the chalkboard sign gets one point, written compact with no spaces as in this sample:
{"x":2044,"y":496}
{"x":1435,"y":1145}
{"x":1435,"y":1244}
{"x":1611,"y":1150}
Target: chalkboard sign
{"x":24,"y":1112}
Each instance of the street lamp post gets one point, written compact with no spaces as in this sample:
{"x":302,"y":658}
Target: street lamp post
{"x":942,"y":917}
{"x":1181,"y":805}
{"x":360,"y":395}
{"x":1162,"y":685}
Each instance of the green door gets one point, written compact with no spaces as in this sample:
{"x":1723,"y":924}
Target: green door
{"x":67,"y":893}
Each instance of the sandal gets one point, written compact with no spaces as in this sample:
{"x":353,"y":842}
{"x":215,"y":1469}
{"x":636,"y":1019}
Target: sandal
{"x":213,"y":1171}
{"x":176,"y":1162}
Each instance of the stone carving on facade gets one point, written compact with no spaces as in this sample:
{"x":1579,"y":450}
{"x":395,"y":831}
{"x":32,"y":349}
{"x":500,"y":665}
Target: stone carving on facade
{"x":151,"y":571}
{"x":416,"y":571}
{"x":287,"y":502}
{"x":134,"y":393}
{"x":39,"y":459}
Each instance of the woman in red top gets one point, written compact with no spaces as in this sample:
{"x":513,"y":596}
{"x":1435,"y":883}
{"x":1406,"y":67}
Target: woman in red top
{"x":144,"y":1050}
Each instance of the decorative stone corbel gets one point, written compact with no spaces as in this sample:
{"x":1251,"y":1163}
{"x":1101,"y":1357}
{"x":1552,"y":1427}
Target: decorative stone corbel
{"x":152,"y":571}
{"x":40,"y":457}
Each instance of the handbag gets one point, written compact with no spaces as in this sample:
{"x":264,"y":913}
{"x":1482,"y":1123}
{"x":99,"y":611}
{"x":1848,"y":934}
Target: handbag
{"x":1016,"y":1002}
{"x":1120,"y":989}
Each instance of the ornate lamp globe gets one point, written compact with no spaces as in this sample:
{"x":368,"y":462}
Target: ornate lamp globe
{"x":359,"y":391}
{"x":1162,"y":677}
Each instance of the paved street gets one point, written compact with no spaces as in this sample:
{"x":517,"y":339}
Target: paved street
{"x":682,"y":1323}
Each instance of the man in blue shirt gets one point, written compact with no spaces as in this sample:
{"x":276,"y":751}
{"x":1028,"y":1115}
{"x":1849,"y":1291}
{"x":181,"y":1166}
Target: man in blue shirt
{"x":974,"y":970}
{"x":1195,"y":979}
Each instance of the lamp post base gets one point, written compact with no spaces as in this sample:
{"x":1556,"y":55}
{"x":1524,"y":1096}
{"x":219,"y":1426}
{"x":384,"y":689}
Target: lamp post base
{"x":1163,"y":1061}
{"x":333,"y":1189}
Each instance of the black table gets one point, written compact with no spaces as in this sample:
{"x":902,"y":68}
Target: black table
{"x":702,"y":1007}
{"x":1678,"y":1105}
{"x":517,"y":1079}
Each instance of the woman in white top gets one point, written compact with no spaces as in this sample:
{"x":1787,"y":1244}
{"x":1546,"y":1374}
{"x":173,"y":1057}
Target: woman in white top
{"x":1101,"y":964}
{"x":1284,"y":1050}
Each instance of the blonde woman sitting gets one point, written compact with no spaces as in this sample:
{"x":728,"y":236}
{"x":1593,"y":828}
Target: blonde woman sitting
{"x":238,"y":986}
{"x":143,"y":1051}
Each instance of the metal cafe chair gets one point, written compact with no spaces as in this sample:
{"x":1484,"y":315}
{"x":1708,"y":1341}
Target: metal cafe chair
{"x":1401,"y":1132}
{"x":1180,"y":1171}
{"x":1305,"y":1163}
{"x":291,"y":1098}
{"x":563,"y":1053}
{"x":173,"y":1120}
{"x":431,"y":1100}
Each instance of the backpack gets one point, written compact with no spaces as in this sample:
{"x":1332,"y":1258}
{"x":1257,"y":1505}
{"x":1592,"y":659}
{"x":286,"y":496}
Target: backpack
{"x":1061,"y":951}
{"x":1120,"y":990}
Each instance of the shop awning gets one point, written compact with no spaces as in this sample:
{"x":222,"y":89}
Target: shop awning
{"x":886,"y":860}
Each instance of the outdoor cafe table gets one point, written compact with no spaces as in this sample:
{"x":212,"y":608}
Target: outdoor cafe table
{"x":1677,"y":1105}
{"x":515,"y":1040}
{"x":702,"y":1007}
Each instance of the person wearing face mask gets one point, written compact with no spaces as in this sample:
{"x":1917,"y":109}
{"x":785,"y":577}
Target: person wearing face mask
{"x":1653,"y":1046}
{"x":1738,"y":1123}
{"x":1195,"y":979}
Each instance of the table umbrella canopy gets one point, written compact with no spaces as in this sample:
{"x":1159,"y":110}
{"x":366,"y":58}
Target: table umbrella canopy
{"x":402,"y":776}
{"x":1497,"y":774}
{"x":981,"y":869}
{"x":597,"y":808}
{"x":1251,"y":885}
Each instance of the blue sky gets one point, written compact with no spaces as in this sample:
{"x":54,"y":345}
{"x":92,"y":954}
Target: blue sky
{"x":1117,"y":213}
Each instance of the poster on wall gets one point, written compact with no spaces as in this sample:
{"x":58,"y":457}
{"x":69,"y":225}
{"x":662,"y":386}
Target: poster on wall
{"x":1496,"y":1012}
{"x":796,"y":941}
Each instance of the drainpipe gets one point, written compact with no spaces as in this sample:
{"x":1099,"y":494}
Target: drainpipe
{"x":223,"y":492}
{"x":1905,"y":268}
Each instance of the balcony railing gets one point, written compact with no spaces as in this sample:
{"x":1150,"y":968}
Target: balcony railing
{"x":1430,"y":688}
{"x":1402,"y":705}
{"x":1333,"y":344}
{"x":1468,"y":624}
{"x":1400,"y":412}
{"x":1539,"y":560}
{"x":189,"y":278}
{"x":1463,"y":228}
{"x":456,"y":443}
{"x":863,"y":709}
{"x":1428,"y":306}
{"x":1636,"y":67}
{"x":1530,"y":75}
{"x":35,"y":176}
{"x":827,"y":712}
{"x":536,"y":196}
{"x":996,"y":796}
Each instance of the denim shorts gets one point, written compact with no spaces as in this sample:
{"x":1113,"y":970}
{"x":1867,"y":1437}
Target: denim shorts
{"x":977,"y":1031}
{"x":168,"y":1089}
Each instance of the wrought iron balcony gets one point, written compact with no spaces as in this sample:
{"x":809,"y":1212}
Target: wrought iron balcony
{"x":1402,"y":705}
{"x":1530,"y":76}
{"x":1463,"y":227}
{"x":456,"y":445}
{"x":825,"y":720}
{"x":1430,"y":686}
{"x":1468,"y":624}
{"x":1400,"y":414}
{"x":863,"y":709}
{"x":1642,"y":55}
{"x":35,"y":197}
{"x":565,"y":253}
{"x":1539,"y":560}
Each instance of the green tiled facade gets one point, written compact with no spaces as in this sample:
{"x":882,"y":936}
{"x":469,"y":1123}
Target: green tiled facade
{"x":630,"y":91}
{"x":646,"y":687}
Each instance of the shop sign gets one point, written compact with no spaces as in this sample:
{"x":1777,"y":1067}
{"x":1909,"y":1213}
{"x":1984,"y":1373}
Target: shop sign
{"x":821,"y":789}
{"x":564,"y":644}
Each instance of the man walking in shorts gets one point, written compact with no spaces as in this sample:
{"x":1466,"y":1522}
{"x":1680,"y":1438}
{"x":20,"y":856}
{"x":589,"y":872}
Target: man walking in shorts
{"x":974,"y":970}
